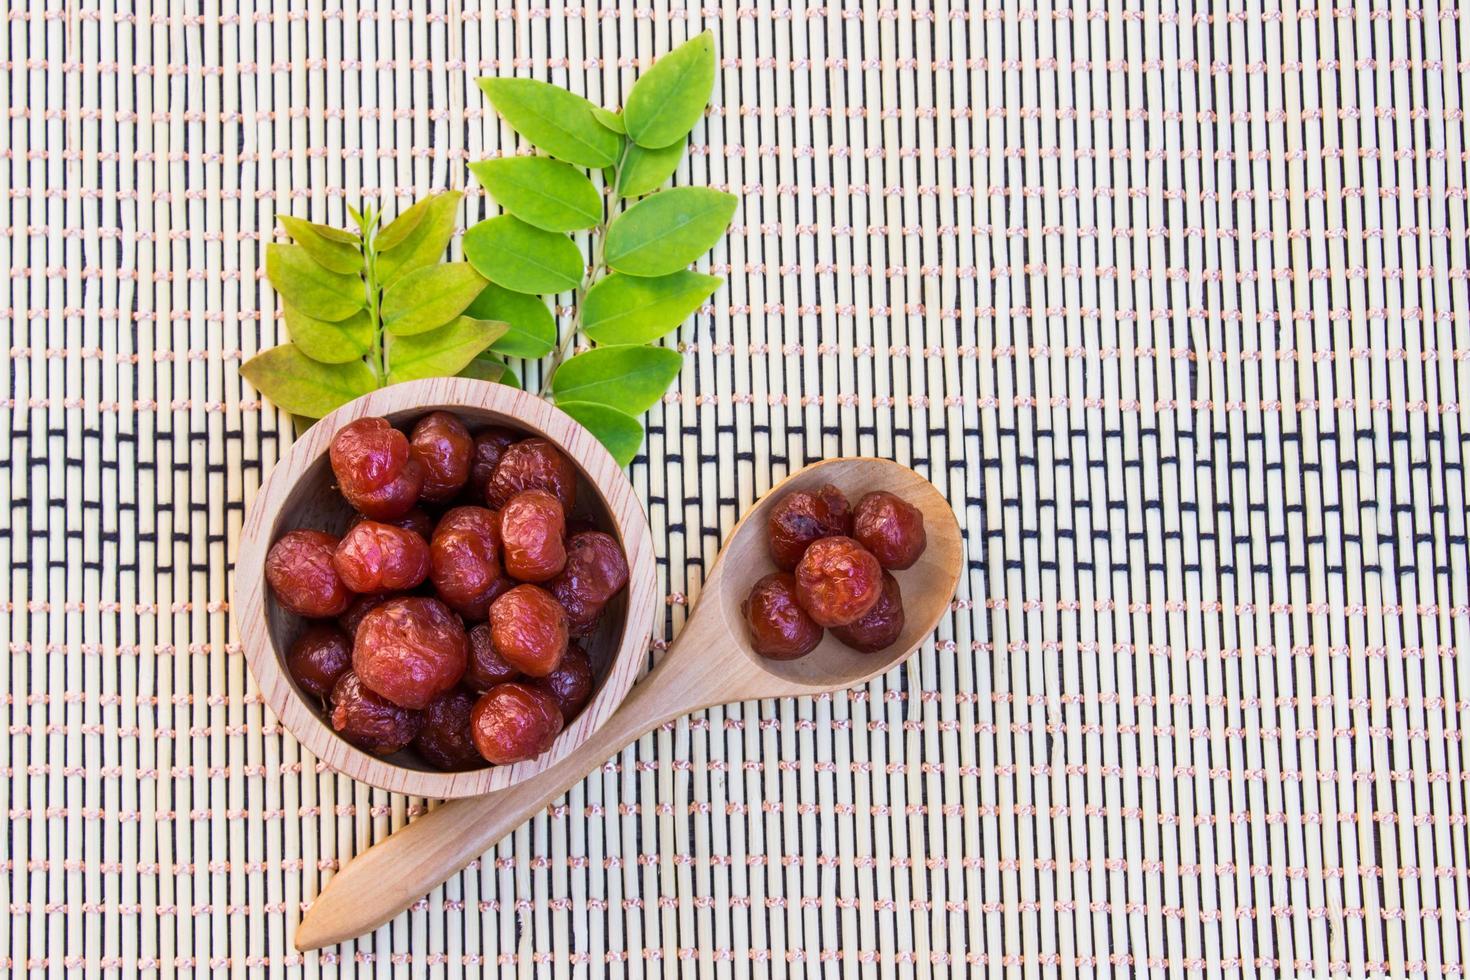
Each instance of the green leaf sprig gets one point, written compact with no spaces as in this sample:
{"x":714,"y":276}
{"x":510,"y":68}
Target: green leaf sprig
{"x":372,"y":307}
{"x":375,"y":306}
{"x":640,"y":286}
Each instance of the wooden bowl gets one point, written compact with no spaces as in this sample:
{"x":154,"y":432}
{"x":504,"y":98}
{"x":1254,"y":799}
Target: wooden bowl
{"x":300,"y":493}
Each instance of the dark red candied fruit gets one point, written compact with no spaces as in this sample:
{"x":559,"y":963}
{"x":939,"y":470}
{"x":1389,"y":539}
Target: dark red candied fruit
{"x":318,"y":658}
{"x":490,"y":445}
{"x":299,"y":570}
{"x":361,"y":606}
{"x":410,"y":650}
{"x":372,"y":723}
{"x":513,"y":722}
{"x":442,"y":444}
{"x":891,"y":528}
{"x":533,"y":464}
{"x":800,"y":517}
{"x":532,"y":536}
{"x":373,"y":468}
{"x":377,"y":557}
{"x":444,"y":739}
{"x":838,"y":581}
{"x":464,"y":560}
{"x":529,"y":630}
{"x":883,"y":624}
{"x":779,"y":628}
{"x":487,"y":668}
{"x":595,"y":571}
{"x":570,"y":683}
{"x":418,"y":520}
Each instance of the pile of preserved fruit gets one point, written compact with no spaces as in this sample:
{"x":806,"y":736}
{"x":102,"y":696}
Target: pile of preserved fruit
{"x":445,"y":618}
{"x":835,"y":572}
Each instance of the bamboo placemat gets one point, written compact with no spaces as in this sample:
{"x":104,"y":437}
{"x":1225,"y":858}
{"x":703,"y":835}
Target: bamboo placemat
{"x":1172,"y":306}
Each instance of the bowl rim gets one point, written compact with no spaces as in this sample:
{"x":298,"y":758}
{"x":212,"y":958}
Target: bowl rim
{"x":537,"y":417}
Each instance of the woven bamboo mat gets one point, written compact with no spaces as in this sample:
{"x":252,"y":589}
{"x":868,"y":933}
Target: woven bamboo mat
{"x":1171,"y":306}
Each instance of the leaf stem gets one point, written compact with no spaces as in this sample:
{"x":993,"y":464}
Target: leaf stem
{"x":599,"y":266}
{"x":379,"y":358}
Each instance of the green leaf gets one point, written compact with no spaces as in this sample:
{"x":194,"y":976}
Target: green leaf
{"x":487,"y":367}
{"x":644,"y":169}
{"x":541,"y":191}
{"x":522,"y":257}
{"x":321,"y":243}
{"x":303,"y":386}
{"x":631,"y":310}
{"x":669,"y":98}
{"x":532,"y":332}
{"x":400,"y":227}
{"x":629,"y":378}
{"x":429,"y":297}
{"x":621,"y":433}
{"x":425,"y":240}
{"x":609,"y":119}
{"x":665,"y":232}
{"x":331,"y":342}
{"x":555,"y":120}
{"x":309,"y":287}
{"x":441,"y":352}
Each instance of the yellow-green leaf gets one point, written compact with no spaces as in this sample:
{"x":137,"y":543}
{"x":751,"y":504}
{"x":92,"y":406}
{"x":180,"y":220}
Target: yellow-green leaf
{"x":644,"y":170}
{"x":632,"y":310}
{"x":620,"y":432}
{"x":429,"y":297}
{"x":532,"y":327}
{"x":330,"y":341}
{"x":309,"y":287}
{"x":424,"y":243}
{"x":630,"y":378}
{"x":663,"y":233}
{"x":541,"y":191}
{"x":522,"y":257}
{"x":555,"y":120}
{"x":442,"y":352}
{"x":669,"y":98}
{"x":304,"y":386}
{"x":321,"y":243}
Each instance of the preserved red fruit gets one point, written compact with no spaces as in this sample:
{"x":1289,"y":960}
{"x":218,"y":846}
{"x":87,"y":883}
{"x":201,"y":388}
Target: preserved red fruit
{"x":442,"y":444}
{"x":377,"y":557}
{"x":529,"y":629}
{"x":570,"y":683}
{"x":779,"y":627}
{"x":490,"y":445}
{"x":299,"y":570}
{"x":838,"y":581}
{"x":374,"y":470}
{"x":595,"y":571}
{"x":514,"y":722}
{"x":533,"y":464}
{"x":372,"y":723}
{"x":532,"y":532}
{"x":891,"y":528}
{"x":487,"y":668}
{"x":361,"y":606}
{"x":464,"y":561}
{"x":318,"y":658}
{"x":882,"y":625}
{"x":410,"y":650}
{"x":444,"y":738}
{"x":799,"y":518}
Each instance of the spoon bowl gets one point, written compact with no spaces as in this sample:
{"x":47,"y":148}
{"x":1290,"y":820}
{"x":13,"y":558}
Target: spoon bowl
{"x":710,"y":662}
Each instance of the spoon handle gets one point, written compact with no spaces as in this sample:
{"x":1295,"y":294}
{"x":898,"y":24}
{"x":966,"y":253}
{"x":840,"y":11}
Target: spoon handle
{"x":394,"y":873}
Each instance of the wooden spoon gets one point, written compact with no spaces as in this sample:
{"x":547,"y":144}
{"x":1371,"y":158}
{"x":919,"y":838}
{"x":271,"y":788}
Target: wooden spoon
{"x":710,"y":662}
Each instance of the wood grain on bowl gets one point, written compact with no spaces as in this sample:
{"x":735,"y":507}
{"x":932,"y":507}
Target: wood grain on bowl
{"x":298,"y":493}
